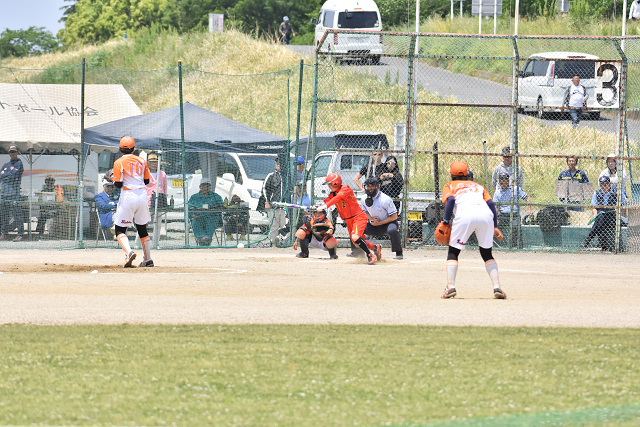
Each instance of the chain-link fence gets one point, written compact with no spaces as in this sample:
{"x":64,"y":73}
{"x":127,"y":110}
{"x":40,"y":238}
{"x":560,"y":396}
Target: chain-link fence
{"x":549,"y":126}
{"x":211,"y":142}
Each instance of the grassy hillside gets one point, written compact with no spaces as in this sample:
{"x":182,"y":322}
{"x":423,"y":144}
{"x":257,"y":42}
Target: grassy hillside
{"x":220,"y":73}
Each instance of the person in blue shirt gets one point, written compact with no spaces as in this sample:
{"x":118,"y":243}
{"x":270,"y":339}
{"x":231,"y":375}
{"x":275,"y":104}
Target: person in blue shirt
{"x":572,"y":174}
{"x":10,"y":180}
{"x":106,"y":204}
{"x":604,"y":227}
{"x":204,"y":224}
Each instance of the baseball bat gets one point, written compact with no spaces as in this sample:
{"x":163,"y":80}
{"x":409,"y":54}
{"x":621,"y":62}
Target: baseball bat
{"x":288,"y":205}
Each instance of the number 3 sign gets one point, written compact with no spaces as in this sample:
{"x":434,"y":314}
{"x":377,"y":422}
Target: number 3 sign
{"x":608,"y":84}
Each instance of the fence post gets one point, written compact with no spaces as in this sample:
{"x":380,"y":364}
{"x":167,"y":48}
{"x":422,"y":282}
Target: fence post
{"x":296,"y":152}
{"x":184,"y":159}
{"x":81,"y":165}
{"x":514,"y":143}
{"x":314,"y":113}
{"x":620,"y":150}
{"x":409,"y":136}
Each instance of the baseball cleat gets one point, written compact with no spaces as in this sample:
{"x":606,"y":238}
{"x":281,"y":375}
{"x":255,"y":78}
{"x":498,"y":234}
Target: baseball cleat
{"x":379,"y":252}
{"x":449,"y":293}
{"x":147,"y":263}
{"x":499,"y":293}
{"x":334,"y":256}
{"x":302,"y":255}
{"x":371,"y":258}
{"x":128,"y":261}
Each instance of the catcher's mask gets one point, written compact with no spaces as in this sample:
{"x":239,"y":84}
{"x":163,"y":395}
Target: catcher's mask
{"x":371,"y":192}
{"x":334,"y":181}
{"x":319,"y":215}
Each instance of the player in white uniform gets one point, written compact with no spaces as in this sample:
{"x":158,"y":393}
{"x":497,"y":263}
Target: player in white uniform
{"x":474,"y":210}
{"x":131,"y":174}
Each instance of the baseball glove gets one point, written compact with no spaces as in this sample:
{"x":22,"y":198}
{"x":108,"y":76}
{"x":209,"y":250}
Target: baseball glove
{"x":320,"y":229}
{"x":442,"y":234}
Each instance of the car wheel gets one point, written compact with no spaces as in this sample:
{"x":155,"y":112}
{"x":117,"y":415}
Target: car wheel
{"x":263,"y":229}
{"x":375,"y":60}
{"x":540,"y":111}
{"x":595,"y":116}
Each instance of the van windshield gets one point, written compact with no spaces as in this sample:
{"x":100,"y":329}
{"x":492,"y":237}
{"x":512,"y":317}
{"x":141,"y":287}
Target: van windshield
{"x":358,"y":20}
{"x":568,"y":69}
{"x":258,"y":167}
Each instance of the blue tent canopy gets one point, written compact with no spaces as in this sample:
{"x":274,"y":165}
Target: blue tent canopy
{"x":204,"y":131}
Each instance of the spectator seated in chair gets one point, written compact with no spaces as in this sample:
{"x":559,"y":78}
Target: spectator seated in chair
{"x":49,"y":211}
{"x":204,"y":224}
{"x":106,"y":204}
{"x":236,"y":222}
{"x":604,"y":227}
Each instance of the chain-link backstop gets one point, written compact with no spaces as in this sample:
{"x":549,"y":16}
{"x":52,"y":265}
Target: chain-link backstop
{"x":561,"y":111}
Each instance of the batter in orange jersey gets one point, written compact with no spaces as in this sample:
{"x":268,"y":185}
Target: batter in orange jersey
{"x":349,"y":209}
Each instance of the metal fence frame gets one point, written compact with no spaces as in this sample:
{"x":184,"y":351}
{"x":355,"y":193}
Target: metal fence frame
{"x":413,"y":54}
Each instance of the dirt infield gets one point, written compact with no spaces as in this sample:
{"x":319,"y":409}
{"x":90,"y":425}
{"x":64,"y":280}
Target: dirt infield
{"x":272,"y":286}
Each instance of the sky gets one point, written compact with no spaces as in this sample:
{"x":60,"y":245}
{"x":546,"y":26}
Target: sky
{"x":22,"y":14}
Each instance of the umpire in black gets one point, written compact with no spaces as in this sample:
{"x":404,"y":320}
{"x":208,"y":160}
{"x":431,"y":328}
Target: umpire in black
{"x":382,"y":215}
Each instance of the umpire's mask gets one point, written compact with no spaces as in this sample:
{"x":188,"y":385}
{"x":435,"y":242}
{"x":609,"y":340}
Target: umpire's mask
{"x":371,"y":192}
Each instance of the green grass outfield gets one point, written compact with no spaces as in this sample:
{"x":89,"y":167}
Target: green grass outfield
{"x":258,"y":375}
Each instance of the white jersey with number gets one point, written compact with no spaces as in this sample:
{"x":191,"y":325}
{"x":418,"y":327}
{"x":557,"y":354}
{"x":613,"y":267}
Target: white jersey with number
{"x":131,"y":171}
{"x":472,"y":214}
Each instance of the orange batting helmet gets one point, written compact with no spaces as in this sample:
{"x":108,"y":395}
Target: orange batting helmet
{"x":127,"y":142}
{"x":334,"y":181}
{"x":459,"y":169}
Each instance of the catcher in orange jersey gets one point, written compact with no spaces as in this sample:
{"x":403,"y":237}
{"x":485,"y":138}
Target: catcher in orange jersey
{"x":131,"y":175}
{"x":474,"y":211}
{"x":350,"y":211}
{"x":316,"y":231}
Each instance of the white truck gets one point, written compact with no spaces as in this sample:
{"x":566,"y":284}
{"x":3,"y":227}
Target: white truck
{"x":353,"y":15}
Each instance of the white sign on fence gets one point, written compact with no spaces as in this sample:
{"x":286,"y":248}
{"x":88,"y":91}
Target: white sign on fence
{"x":488,"y":7}
{"x":216,"y":22}
{"x":607,"y":90}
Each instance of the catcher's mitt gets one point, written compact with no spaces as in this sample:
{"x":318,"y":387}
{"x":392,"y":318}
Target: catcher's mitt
{"x":443,"y":233}
{"x":320,"y":229}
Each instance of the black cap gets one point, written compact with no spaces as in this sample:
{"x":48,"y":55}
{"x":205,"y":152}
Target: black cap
{"x":604,"y":179}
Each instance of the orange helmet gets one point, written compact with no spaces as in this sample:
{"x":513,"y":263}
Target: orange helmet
{"x":334,"y":180}
{"x":127,"y":142}
{"x":459,"y":169}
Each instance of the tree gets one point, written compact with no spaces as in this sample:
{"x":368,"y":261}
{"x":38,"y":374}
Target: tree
{"x":32,"y":41}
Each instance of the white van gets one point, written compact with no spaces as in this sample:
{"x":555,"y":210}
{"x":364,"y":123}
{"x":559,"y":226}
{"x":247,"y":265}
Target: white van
{"x":358,"y":15}
{"x":241,"y":174}
{"x":543,"y":83}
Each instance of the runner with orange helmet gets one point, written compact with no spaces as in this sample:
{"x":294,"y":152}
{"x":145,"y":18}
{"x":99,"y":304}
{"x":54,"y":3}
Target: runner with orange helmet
{"x":131,"y":175}
{"x":350,"y":211}
{"x":474,"y":212}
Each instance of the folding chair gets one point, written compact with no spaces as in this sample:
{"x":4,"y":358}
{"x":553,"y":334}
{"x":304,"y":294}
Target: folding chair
{"x":221,"y":240}
{"x":100,"y":229}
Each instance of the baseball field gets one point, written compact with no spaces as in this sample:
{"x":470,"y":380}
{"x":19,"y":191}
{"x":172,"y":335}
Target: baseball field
{"x":256,"y":337}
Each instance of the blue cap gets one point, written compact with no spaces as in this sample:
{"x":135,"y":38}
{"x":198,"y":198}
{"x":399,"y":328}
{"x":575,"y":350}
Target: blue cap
{"x":604,"y":179}
{"x":286,"y":18}
{"x":300,"y":160}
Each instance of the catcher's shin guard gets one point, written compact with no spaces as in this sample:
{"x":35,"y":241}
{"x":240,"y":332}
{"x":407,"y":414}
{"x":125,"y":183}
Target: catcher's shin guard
{"x":304,"y":246}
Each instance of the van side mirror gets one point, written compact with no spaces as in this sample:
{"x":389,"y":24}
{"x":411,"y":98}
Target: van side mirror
{"x":229,"y":177}
{"x":313,"y":21}
{"x":521,"y":74}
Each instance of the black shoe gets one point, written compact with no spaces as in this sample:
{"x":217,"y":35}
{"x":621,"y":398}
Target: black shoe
{"x":399,"y":256}
{"x":334,"y":256}
{"x":302,"y":255}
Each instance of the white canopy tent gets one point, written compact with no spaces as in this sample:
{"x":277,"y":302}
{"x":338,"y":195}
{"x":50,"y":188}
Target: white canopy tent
{"x":47,"y":116}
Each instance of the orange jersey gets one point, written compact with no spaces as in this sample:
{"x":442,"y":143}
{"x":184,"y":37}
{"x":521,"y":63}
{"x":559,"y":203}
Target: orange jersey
{"x":468,"y":194}
{"x":345,"y":202}
{"x":131,"y":171}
